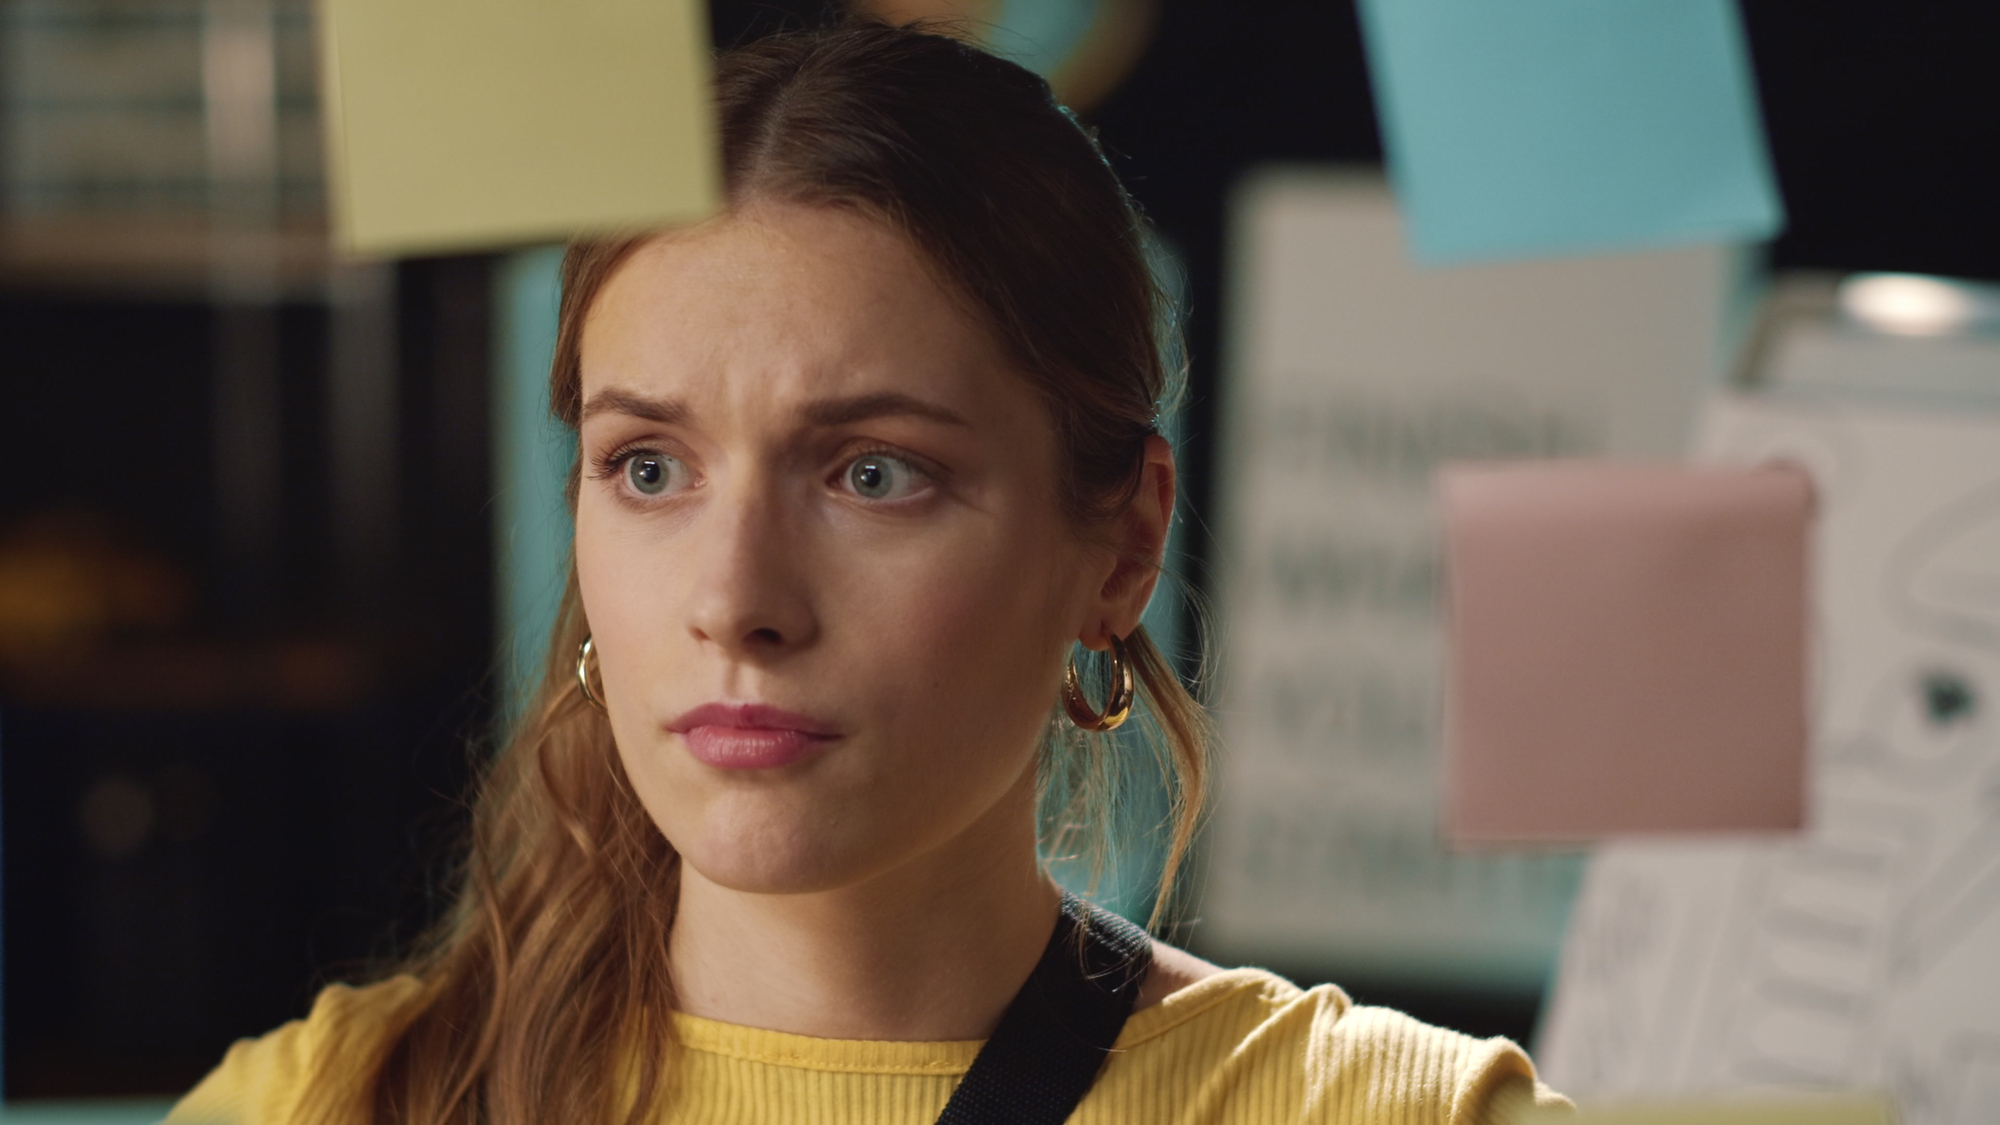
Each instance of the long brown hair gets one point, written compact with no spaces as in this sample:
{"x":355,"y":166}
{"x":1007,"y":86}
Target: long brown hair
{"x":545,"y":993}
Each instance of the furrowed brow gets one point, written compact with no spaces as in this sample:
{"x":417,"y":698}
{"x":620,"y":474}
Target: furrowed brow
{"x":846,"y":411}
{"x":611,"y":400}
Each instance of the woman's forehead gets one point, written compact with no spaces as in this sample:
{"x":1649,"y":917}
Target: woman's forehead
{"x":781,"y":294}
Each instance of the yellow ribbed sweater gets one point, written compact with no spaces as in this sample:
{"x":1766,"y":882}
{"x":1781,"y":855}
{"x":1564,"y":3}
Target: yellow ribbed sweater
{"x":1243,"y":1047}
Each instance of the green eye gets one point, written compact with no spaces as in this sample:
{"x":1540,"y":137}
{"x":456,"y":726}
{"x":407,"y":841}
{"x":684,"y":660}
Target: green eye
{"x":650,"y":473}
{"x":872,"y":477}
{"x":876,"y":477}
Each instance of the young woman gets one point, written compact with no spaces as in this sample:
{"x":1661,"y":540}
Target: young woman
{"x":861,"y":464}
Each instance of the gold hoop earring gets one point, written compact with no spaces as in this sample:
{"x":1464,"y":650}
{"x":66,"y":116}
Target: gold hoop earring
{"x":583,"y":654}
{"x":1117,"y":708}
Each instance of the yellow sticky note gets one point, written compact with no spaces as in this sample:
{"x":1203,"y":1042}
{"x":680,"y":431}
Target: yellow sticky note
{"x":474,"y":124}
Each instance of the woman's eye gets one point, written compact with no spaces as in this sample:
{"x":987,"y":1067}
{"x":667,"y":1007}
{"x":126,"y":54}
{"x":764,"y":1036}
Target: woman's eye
{"x":651,"y":474}
{"x":876,"y":477}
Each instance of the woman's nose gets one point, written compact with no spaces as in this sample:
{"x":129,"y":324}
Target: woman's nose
{"x":750,"y":596}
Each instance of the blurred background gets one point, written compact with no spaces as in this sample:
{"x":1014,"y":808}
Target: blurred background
{"x":260,"y":509}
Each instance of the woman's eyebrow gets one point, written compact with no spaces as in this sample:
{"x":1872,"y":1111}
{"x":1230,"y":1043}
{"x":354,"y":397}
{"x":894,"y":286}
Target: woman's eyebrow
{"x":611,"y":400}
{"x":845,"y":411}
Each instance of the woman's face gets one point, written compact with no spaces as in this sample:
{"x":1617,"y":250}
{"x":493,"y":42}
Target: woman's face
{"x":828,"y":579}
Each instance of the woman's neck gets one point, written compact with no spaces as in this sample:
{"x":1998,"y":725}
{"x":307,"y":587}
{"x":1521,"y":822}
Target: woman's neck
{"x":932,"y":950}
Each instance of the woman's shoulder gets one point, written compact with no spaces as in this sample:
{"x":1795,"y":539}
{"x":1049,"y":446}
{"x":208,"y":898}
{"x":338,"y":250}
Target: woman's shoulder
{"x":264,"y":1081}
{"x":1252,"y":1039}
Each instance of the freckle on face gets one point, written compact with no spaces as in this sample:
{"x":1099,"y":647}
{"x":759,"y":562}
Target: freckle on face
{"x":930,"y":635}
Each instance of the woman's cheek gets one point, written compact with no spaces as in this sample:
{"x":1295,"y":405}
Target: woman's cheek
{"x":628,"y":593}
{"x":979,"y":624}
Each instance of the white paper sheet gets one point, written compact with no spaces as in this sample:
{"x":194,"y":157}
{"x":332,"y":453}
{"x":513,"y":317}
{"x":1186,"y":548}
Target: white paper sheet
{"x":1353,"y":374}
{"x":1866,"y":953}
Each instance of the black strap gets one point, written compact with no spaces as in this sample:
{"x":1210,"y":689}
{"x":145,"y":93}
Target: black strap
{"x":1055,"y":1035}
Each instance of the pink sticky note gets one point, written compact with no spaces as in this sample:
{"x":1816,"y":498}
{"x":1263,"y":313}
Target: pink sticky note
{"x":1628,"y":649}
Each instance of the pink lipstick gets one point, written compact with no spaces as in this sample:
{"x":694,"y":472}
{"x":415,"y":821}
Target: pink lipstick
{"x":750,"y":736}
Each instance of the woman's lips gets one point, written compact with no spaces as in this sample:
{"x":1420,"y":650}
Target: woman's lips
{"x":750,"y":736}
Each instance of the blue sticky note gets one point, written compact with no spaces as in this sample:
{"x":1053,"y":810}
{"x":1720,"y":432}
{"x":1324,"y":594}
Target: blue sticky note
{"x":1041,"y":34}
{"x":1535,"y":128}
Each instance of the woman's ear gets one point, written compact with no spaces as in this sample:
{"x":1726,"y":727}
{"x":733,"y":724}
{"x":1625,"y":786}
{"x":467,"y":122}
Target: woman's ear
{"x":1138,"y":535}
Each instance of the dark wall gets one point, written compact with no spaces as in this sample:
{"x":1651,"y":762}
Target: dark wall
{"x":213,"y":802}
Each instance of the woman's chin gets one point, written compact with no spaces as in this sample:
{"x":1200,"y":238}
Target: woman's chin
{"x":802,"y":839}
{"x":777,"y":859}
{"x":785,"y":873}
